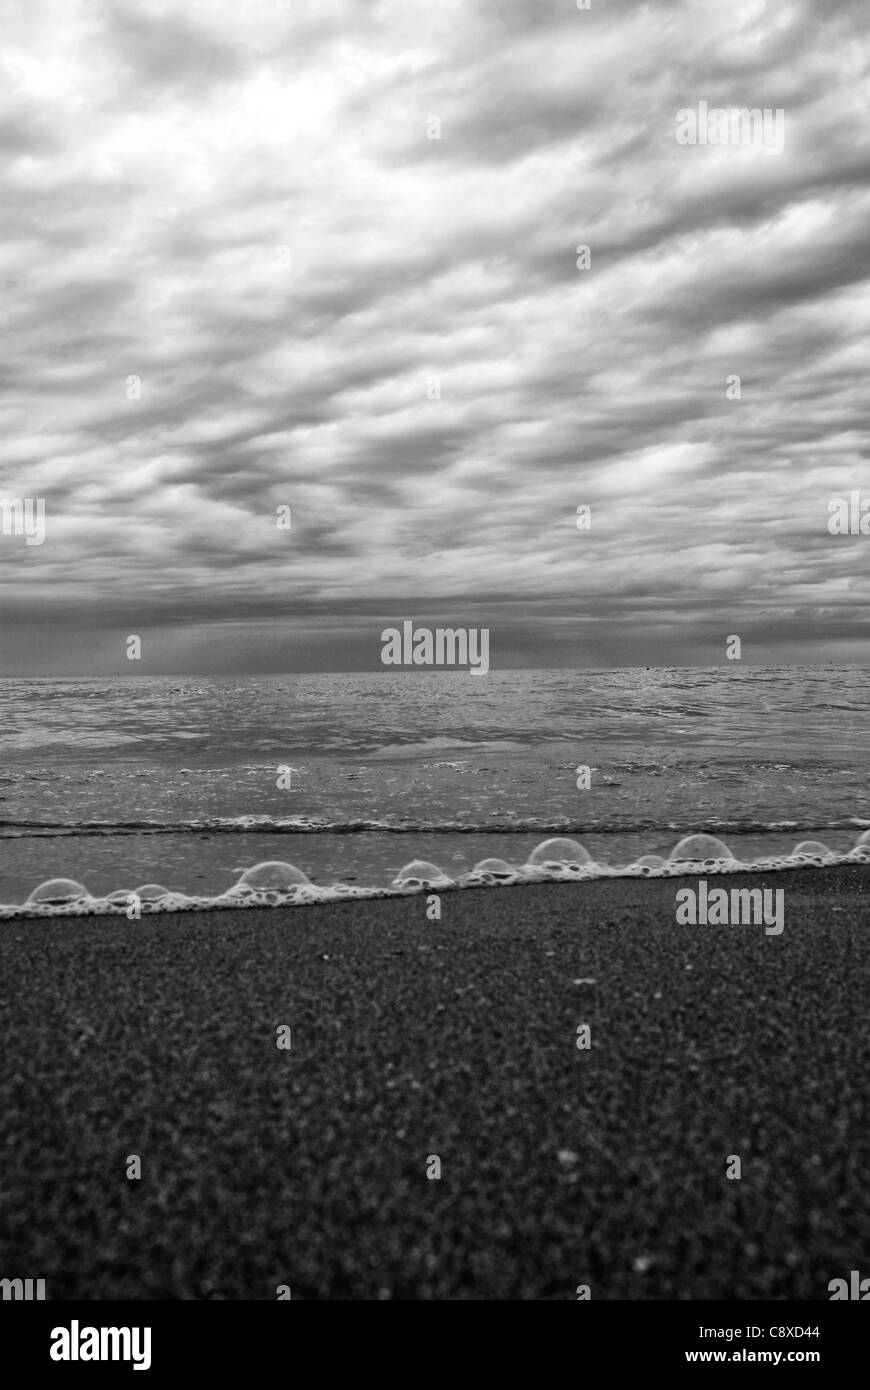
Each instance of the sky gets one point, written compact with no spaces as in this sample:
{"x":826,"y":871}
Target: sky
{"x":324,"y":256}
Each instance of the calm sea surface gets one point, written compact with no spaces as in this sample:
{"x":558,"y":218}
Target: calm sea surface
{"x":113,"y":780}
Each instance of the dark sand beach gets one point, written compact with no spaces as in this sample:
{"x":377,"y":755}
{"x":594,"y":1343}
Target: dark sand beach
{"x":411,"y":1038}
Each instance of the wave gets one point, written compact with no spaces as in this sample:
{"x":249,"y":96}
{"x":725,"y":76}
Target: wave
{"x":275,"y":883}
{"x":513,"y":825}
{"x":490,"y":743}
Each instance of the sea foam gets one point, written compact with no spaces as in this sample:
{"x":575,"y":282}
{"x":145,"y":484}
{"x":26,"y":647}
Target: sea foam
{"x":275,"y":883}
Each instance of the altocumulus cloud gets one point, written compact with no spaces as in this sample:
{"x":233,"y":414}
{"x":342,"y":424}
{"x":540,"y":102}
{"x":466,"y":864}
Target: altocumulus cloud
{"x":240,"y":205}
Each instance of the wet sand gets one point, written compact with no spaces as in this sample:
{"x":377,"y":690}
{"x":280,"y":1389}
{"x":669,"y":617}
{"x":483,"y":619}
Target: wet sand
{"x":456,"y":1038}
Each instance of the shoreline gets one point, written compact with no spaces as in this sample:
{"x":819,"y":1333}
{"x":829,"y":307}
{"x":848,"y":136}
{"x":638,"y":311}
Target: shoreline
{"x":455,"y":1038}
{"x":302,"y":891}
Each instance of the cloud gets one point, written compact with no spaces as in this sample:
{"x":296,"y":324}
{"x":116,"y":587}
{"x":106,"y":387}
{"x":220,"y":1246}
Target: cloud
{"x":166,"y":52}
{"x":324,"y":308}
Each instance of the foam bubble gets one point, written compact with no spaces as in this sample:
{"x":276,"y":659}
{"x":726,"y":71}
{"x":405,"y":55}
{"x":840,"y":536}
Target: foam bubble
{"x":650,"y":864}
{"x":699,"y":848}
{"x":494,"y":871}
{"x":421,"y":873}
{"x":861,"y":853}
{"x":813,"y":848}
{"x":151,"y":892}
{"x":120,"y":896}
{"x":559,"y":852}
{"x":273,"y":875}
{"x":276,"y":883}
{"x":58,"y":890}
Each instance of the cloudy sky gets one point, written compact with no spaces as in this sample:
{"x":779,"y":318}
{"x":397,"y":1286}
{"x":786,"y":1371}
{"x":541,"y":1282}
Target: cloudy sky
{"x":241,"y":204}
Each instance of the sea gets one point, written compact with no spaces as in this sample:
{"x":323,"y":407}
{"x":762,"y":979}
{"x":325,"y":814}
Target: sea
{"x":184,"y":785}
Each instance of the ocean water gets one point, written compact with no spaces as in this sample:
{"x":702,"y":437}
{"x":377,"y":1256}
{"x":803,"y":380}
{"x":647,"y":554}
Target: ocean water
{"x":119,"y":782}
